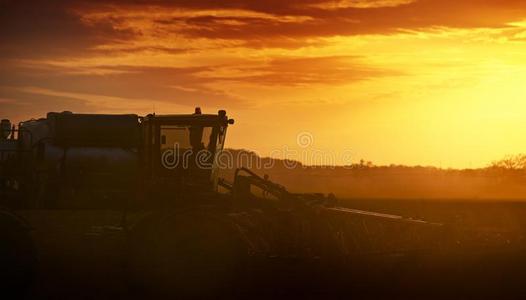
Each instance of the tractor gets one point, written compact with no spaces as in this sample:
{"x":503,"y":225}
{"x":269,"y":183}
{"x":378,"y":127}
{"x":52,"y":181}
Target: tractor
{"x":151,"y":183}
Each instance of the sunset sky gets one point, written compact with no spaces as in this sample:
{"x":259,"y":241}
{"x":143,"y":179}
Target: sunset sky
{"x":416,"y":82}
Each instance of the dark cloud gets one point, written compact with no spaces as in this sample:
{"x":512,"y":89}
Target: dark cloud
{"x":34,"y":29}
{"x":355,"y":21}
{"x":55,"y":27}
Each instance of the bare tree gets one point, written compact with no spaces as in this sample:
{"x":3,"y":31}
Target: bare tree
{"x":511,"y":162}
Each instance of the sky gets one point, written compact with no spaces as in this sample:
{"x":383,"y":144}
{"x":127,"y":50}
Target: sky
{"x":414,"y":82}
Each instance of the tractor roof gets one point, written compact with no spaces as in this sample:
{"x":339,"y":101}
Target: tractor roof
{"x":189,"y":119}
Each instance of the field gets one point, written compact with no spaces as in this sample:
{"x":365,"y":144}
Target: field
{"x":82,"y":256}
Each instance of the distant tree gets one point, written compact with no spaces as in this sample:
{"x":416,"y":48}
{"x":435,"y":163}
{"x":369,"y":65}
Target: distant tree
{"x":511,"y":162}
{"x":365,"y":164}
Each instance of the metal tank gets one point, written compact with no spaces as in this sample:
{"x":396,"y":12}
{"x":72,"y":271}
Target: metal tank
{"x":69,"y":154}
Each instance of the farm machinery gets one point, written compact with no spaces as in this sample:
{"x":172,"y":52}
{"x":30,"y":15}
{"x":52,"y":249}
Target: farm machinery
{"x":182,"y":228}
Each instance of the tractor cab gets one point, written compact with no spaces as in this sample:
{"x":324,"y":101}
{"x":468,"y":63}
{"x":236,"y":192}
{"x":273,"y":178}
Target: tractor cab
{"x":180,"y":151}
